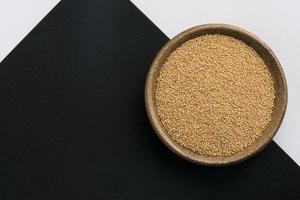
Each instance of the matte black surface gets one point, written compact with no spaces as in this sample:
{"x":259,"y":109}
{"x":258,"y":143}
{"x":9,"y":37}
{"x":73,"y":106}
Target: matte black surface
{"x":73,"y":123}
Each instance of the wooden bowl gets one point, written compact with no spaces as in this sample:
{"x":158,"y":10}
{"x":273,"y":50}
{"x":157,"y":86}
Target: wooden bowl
{"x":269,"y":58}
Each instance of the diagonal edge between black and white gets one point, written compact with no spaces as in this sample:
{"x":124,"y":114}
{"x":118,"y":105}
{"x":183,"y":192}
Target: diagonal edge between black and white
{"x":18,"y":18}
{"x":266,"y":23}
{"x":73,"y":122}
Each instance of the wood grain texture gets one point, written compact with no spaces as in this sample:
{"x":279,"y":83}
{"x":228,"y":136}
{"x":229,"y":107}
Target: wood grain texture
{"x":269,"y":58}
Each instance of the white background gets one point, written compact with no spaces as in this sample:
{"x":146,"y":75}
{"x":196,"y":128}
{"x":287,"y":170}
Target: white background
{"x":18,"y":18}
{"x":276,"y":22}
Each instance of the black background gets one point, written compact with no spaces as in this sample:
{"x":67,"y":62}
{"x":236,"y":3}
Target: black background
{"x":73,"y":123}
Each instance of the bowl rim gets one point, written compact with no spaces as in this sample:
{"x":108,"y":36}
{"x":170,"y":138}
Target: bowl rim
{"x":154,"y":118}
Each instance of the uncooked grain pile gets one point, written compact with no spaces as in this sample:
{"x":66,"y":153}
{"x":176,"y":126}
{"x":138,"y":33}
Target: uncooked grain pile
{"x":214,"y":95}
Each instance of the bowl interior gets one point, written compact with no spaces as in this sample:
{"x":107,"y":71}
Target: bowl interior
{"x":270,"y":60}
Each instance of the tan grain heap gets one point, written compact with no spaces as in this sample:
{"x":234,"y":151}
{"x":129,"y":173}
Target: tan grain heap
{"x":214,"y":95}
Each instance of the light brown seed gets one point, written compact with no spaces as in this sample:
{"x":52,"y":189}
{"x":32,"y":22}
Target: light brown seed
{"x":214,"y":95}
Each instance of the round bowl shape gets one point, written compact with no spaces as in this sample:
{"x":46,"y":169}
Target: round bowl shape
{"x":270,"y":60}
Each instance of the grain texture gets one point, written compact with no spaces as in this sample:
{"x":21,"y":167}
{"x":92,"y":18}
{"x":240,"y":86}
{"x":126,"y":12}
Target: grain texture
{"x":214,"y":95}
